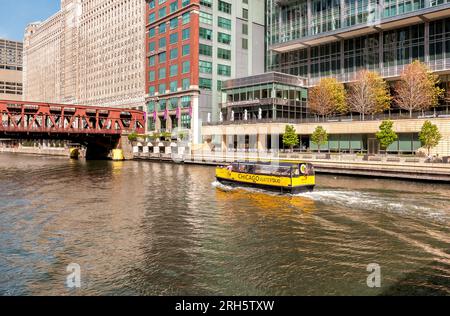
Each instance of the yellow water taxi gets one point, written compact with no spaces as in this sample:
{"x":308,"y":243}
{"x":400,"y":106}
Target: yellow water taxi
{"x":283,"y":177}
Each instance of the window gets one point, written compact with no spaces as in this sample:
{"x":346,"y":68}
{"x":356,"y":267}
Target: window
{"x":152,"y":61}
{"x":162,"y":58}
{"x":186,"y":33}
{"x":245,"y":14}
{"x":224,"y":70}
{"x":186,"y":50}
{"x":174,"y":53}
{"x":224,"y":53}
{"x":152,"y":46}
{"x":186,"y":67}
{"x":245,"y":29}
{"x":205,"y":83}
{"x":224,"y":7}
{"x":162,"y":42}
{"x":162,"y":88}
{"x":205,"y":18}
{"x":224,"y":38}
{"x":174,"y":6}
{"x":224,"y":23}
{"x":206,"y":3}
{"x":162,"y":28}
{"x":186,"y":84}
{"x":151,"y":76}
{"x":205,"y":67}
{"x":151,"y":32}
{"x":151,"y":4}
{"x":162,"y":73}
{"x":185,"y":3}
{"x":206,"y":34}
{"x":152,"y":17}
{"x":173,"y":38}
{"x":205,"y":50}
{"x":186,"y":18}
{"x":244,"y":43}
{"x":173,"y":70}
{"x":173,"y":86}
{"x":173,"y":23}
{"x":219,"y":85}
{"x":151,"y":90}
{"x":162,"y":12}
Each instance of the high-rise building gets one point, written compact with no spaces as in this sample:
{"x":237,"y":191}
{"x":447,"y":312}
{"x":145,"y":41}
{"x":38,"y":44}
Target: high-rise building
{"x":315,"y":39}
{"x":192,"y":46}
{"x":90,"y":52}
{"x":336,"y":38}
{"x":10,"y":70}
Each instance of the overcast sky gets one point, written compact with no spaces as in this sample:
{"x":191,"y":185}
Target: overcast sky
{"x":16,"y":14}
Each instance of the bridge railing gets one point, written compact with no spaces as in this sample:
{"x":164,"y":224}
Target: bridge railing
{"x":24,"y":116}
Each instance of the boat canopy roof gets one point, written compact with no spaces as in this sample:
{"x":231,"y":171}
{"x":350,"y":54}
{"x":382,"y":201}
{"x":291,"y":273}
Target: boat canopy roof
{"x":276,"y":163}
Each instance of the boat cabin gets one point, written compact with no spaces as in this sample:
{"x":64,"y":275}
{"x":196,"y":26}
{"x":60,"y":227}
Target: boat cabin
{"x":283,"y":169}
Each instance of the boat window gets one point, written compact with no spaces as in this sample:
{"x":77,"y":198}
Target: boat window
{"x":273,"y":170}
{"x":307,"y":169}
{"x":310,"y":169}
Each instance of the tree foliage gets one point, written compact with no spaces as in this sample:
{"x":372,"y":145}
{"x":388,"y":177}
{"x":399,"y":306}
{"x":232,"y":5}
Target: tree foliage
{"x":290,"y":137}
{"x":319,"y":137}
{"x":386,"y":135}
{"x":328,"y":97}
{"x":133,"y":137}
{"x":429,"y":136}
{"x":369,"y":94}
{"x":417,"y":89}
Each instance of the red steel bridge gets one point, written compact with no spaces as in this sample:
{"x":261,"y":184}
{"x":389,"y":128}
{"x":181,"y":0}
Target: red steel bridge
{"x":99,"y":128}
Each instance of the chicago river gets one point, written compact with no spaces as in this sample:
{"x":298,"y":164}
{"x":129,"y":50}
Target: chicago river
{"x":142,"y":228}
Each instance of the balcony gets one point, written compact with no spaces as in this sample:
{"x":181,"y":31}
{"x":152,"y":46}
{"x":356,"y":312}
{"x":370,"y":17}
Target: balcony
{"x":376,"y":25}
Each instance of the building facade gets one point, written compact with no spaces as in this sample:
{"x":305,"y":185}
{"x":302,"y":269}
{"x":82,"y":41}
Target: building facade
{"x":336,"y":38}
{"x":11,"y":70}
{"x":90,"y":52}
{"x":315,"y":39}
{"x":192,"y":47}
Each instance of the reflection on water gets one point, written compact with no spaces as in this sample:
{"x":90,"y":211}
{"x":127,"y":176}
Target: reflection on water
{"x":139,"y":228}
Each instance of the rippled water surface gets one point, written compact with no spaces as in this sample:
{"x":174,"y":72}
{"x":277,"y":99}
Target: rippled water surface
{"x":142,"y":228}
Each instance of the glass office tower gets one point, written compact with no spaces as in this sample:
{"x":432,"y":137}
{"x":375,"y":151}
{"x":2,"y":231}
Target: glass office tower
{"x":335,"y":38}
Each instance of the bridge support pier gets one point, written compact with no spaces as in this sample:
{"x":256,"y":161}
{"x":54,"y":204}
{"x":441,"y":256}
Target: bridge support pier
{"x":117,"y":155}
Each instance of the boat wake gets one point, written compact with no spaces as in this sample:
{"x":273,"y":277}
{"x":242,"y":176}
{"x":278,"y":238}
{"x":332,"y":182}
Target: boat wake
{"x":361,"y":200}
{"x":373,"y":201}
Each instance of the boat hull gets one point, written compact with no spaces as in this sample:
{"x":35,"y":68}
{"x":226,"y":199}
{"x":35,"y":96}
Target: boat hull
{"x":288,"y":190}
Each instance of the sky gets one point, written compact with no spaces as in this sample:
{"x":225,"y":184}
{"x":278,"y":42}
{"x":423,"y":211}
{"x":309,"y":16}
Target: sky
{"x":15,"y":15}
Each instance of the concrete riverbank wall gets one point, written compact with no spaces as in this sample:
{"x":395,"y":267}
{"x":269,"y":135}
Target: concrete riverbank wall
{"x":60,"y":152}
{"x":387,"y":167}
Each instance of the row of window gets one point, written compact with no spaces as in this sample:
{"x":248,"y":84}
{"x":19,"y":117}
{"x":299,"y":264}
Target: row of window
{"x":173,"y":71}
{"x":173,"y":39}
{"x":173,"y":87}
{"x":165,"y":10}
{"x":173,"y":24}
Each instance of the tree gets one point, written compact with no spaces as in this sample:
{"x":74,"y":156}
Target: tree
{"x":386,"y":135}
{"x":417,"y":89}
{"x":290,"y":137}
{"x":328,"y":97}
{"x":133,"y":137}
{"x":429,"y":136}
{"x":369,"y":94}
{"x":319,"y":137}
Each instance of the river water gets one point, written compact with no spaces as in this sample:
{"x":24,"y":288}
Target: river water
{"x":142,"y":228}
